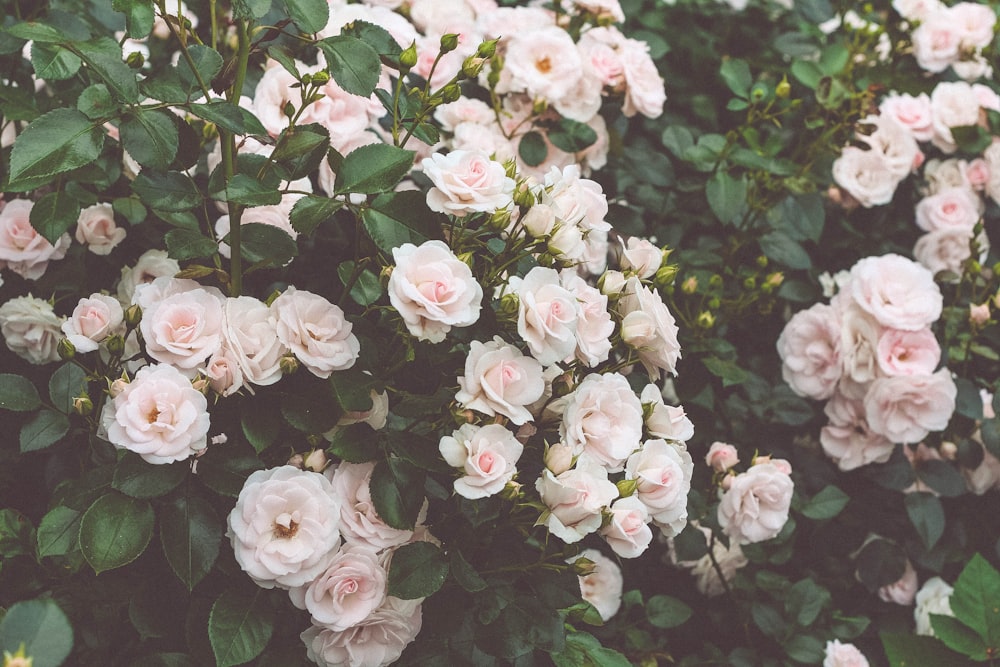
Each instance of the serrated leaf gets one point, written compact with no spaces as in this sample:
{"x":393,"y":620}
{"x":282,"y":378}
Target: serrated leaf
{"x":17,"y":393}
{"x":927,"y":516}
{"x":464,"y":574}
{"x":976,"y":600}
{"x":366,"y":288}
{"x":728,"y":371}
{"x":95,"y":102}
{"x":942,"y":476}
{"x":248,"y":191}
{"x":968,"y":402}
{"x":68,"y":382}
{"x":781,"y":248}
{"x":310,"y":15}
{"x":959,"y":637}
{"x":54,"y":214}
{"x":150,"y":137}
{"x":908,"y":650}
{"x":58,"y":532}
{"x":190,"y":532}
{"x":37,"y":31}
{"x":826,"y":504}
{"x":354,"y":65}
{"x":310,"y":211}
{"x":352,"y":389}
{"x":139,"y":16}
{"x":114,"y":531}
{"x":187,"y":244}
{"x":239,"y":626}
{"x":397,"y":490}
{"x":16,"y":534}
{"x":400,"y":217}
{"x":572,"y":136}
{"x":664,"y":611}
{"x":880,"y":563}
{"x":168,"y":191}
{"x":56,"y":142}
{"x":46,"y":429}
{"x":140,"y":479}
{"x":532,"y":149}
{"x":373,"y":168}
{"x":224,"y":114}
{"x":260,"y":424}
{"x":53,"y":62}
{"x":267,"y":244}
{"x":805,"y":600}
{"x":104,"y":56}
{"x":354,"y":443}
{"x":207,"y":63}
{"x":418,"y":570}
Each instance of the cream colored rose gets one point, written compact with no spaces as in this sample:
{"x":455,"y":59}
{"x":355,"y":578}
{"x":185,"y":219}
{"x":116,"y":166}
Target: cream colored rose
{"x":487,"y":455}
{"x":151,"y":265}
{"x":755,"y":507}
{"x":31,"y":329}
{"x":93,"y":320}
{"x":603,"y":419}
{"x":663,"y":474}
{"x":467,"y":182}
{"x":96,"y":229}
{"x":906,"y":408}
{"x":346,"y":593}
{"x":379,"y":640}
{"x":250,"y":331}
{"x":809,"y":347}
{"x":934,"y":597}
{"x":575,"y":499}
{"x":183,"y":329}
{"x":664,"y":421}
{"x":627,"y":532}
{"x":315,"y":331}
{"x":547,"y":316}
{"x":649,"y":327}
{"x":603,"y":586}
{"x":22,"y":249}
{"x":500,"y":380}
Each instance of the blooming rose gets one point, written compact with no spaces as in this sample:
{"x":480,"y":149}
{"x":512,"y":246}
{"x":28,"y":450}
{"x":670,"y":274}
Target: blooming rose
{"x":250,"y":331}
{"x":359,"y":523}
{"x":96,"y":229}
{"x":94,"y":319}
{"x":860,"y":333}
{"x":22,"y":249}
{"x":575,"y":499}
{"x":649,"y":327}
{"x":843,"y":655}
{"x":487,"y":455}
{"x":547,"y":316}
{"x":957,"y":207}
{"x":944,"y":174}
{"x":644,"y":92}
{"x":848,"y":439}
{"x":183,"y":329}
{"x":906,"y":408}
{"x":223,"y":371}
{"x":663,"y":479}
{"x":594,"y":325}
{"x":902,"y":591}
{"x":433,"y":290}
{"x":934,"y":597}
{"x":809,"y":347}
{"x":936,"y":41}
{"x":500,"y":380}
{"x":352,"y":586}
{"x":466,"y":182}
{"x":954,"y":104}
{"x":158,"y":415}
{"x":284,"y":526}
{"x":865,"y":175}
{"x":151,"y":265}
{"x":946,"y":249}
{"x":603,"y":418}
{"x":379,"y":640}
{"x":31,"y":329}
{"x":543,"y":62}
{"x":628,"y":533}
{"x":664,"y":421}
{"x":897,"y":291}
{"x":722,"y":456}
{"x":603,"y":586}
{"x":316,"y":332}
{"x":755,"y":507}
{"x":641,"y":256}
{"x":908,"y":352}
{"x":912,"y":112}
{"x":895,"y":142}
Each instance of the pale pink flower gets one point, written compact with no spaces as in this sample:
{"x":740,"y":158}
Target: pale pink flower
{"x":466,"y":182}
{"x":957,"y":207}
{"x":903,"y":591}
{"x":755,"y":507}
{"x":649,"y":328}
{"x":346,"y":593}
{"x":628,"y":533}
{"x":315,"y":331}
{"x":906,"y":408}
{"x":379,"y":640}
{"x":722,"y":456}
{"x":865,"y":175}
{"x":664,"y":421}
{"x":603,"y":586}
{"x":250,"y":332}
{"x":809,"y":347}
{"x":151,"y":265}
{"x":487,"y":455}
{"x":575,"y":499}
{"x":848,"y":439}
{"x":184,"y":328}
{"x":897,"y":291}
{"x":603,"y":418}
{"x":946,"y":249}
{"x":31,"y":329}
{"x":97,"y":230}
{"x":359,"y":523}
{"x":594,"y":325}
{"x":843,"y":655}
{"x":934,"y":597}
{"x":912,"y":112}
{"x":499,"y":379}
{"x":543,"y":62}
{"x":663,"y":474}
{"x":644,"y":93}
{"x":22,"y":249}
{"x":954,"y":104}
{"x":936,"y":41}
{"x":547,"y":315}
{"x":908,"y":352}
{"x":92,"y":321}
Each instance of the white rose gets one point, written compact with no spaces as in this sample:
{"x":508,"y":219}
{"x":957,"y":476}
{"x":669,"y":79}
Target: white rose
{"x":954,"y":104}
{"x":603,"y":586}
{"x":500,"y":380}
{"x":865,"y":175}
{"x":946,"y":249}
{"x":575,"y":499}
{"x":665,"y":421}
{"x":433,"y":290}
{"x":31,"y":329}
{"x":848,"y":439}
{"x":346,"y":593}
{"x":377,"y":641}
{"x":93,"y":320}
{"x":897,"y":291}
{"x":151,"y":265}
{"x":594,"y":325}
{"x":895,"y":142}
{"x":934,"y":597}
{"x":158,"y":415}
{"x":487,"y":455}
{"x":628,"y":533}
{"x":603,"y":418}
{"x":809,"y":347}
{"x":843,"y":655}
{"x":251,"y":333}
{"x":957,"y":207}
{"x":936,"y":41}
{"x":641,"y":256}
{"x":649,"y":327}
{"x":183,"y":329}
{"x":22,"y":249}
{"x":96,"y":229}
{"x":543,"y":62}
{"x":912,"y":112}
{"x":663,"y":474}
{"x":223,"y":372}
{"x":755,"y":507}
{"x":547,"y":316}
{"x":284,"y":526}
{"x":905,"y":408}
{"x":467,"y":182}
{"x":644,"y":92}
{"x":316,"y":332}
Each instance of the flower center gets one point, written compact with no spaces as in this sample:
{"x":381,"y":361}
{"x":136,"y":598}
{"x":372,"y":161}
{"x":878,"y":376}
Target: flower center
{"x":544,"y":65}
{"x":285,"y":527}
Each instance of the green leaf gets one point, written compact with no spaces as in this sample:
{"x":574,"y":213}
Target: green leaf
{"x":104,"y":56}
{"x":355,"y":443}
{"x":131,"y":209}
{"x":805,"y":600}
{"x":43,"y":629}
{"x":880,"y":563}
{"x":417,"y":570}
{"x":137,"y":478}
{"x":808,"y":73}
{"x":207,"y":63}
{"x":310,"y":211}
{"x":805,"y":649}
{"x":114,"y":531}
{"x":190,"y":532}
{"x":68,"y":382}
{"x":366,"y":289}
{"x":310,"y":15}
{"x":352,"y":388}
{"x":17,"y":393}
{"x":260,"y":423}
{"x":397,"y":490}
{"x":768,"y":619}
{"x":826,"y":504}
{"x":908,"y":650}
{"x":677,"y":139}
{"x":729,"y":371}
{"x":225,"y":472}
{"x":376,"y":37}
{"x":187,"y":244}
{"x":37,"y":31}
{"x":267,"y":244}
{"x":664,"y":611}
{"x":95,"y":102}
{"x":46,"y":429}
{"x":246,"y":190}
{"x":532,"y":149}
{"x":54,"y":214}
{"x":139,"y":16}
{"x":61,"y":140}
{"x":968,"y":402}
{"x":943,"y":477}
{"x":572,"y":136}
{"x":781,"y":248}
{"x":354,"y":65}
{"x":224,"y":114}
{"x":315,"y":412}
{"x":736,"y":75}
{"x":239,"y":626}
{"x":168,"y":191}
{"x":400,"y":217}
{"x":299,"y":141}
{"x":53,"y":62}
{"x":726,"y":197}
{"x":975,"y":600}
{"x":58,"y":532}
{"x":373,"y":168}
{"x":16,"y":534}
{"x":927,"y":516}
{"x":959,"y":637}
{"x":464,"y":574}
{"x":990,"y":433}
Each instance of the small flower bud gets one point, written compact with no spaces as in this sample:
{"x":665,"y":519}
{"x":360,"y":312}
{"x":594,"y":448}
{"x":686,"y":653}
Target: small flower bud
{"x":117,"y":387}
{"x":715,"y":280}
{"x":487,"y":49}
{"x":665,"y":275}
{"x":706,"y":320}
{"x":306,"y":79}
{"x":135,"y":60}
{"x":133,"y":315}
{"x":202,"y":384}
{"x":321,"y":78}
{"x":408,"y":58}
{"x":289,"y":109}
{"x":472,"y":66}
{"x":584,"y":566}
{"x":949,"y":450}
{"x":316,"y":460}
{"x":115,"y":345}
{"x":539,"y":106}
{"x":762,"y":261}
{"x":773,"y":281}
{"x":511,"y":491}
{"x":468,"y":258}
{"x":288,"y":364}
{"x":493,"y":78}
{"x":523,"y":196}
{"x":783,"y":89}
{"x":509,"y":305}
{"x":451,"y":93}
{"x":82,"y":405}
{"x":558,"y":458}
{"x":690,"y":286}
{"x":722,"y":456}
{"x":449,"y":42}
{"x":750,"y":283}
{"x":66,"y":349}
{"x":611,"y":283}
{"x":979,"y":314}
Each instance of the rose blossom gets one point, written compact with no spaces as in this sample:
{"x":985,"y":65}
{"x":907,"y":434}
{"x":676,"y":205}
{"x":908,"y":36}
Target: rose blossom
{"x":433,"y":290}
{"x":487,"y":455}
{"x":22,"y":249}
{"x":603,"y":586}
{"x":352,"y":586}
{"x":284,"y":526}
{"x":250,"y":332}
{"x":96,"y":229}
{"x":865,"y":175}
{"x":376,"y":416}
{"x":644,"y":92}
{"x":954,"y":104}
{"x":500,"y":380}
{"x":912,"y":112}
{"x":897,"y":291}
{"x":946,"y":249}
{"x":31,"y":329}
{"x":547,"y":315}
{"x":641,"y":256}
{"x":94,"y":319}
{"x":158,"y":415}
{"x":315,"y":331}
{"x":956,"y":207}
{"x":223,"y":372}
{"x":359,"y":523}
{"x":848,"y":439}
{"x":755,"y":507}
{"x":906,"y":408}
{"x":467,"y":182}
{"x":151,"y":265}
{"x":594,"y":325}
{"x":936,"y":41}
{"x":379,"y":640}
{"x":843,"y":655}
{"x":895,"y":142}
{"x":575,"y":499}
{"x":603,"y":418}
{"x":628,"y":533}
{"x":809,"y":347}
{"x":903,"y":591}
{"x":908,"y":352}
{"x":664,"y":421}
{"x":649,"y":327}
{"x":722,"y":456}
{"x":183,"y":329}
{"x":663,"y":474}
{"x":934,"y":597}
{"x":543,"y":62}
{"x":943,"y":174}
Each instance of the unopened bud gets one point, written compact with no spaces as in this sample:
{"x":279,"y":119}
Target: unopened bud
{"x":539,"y":106}
{"x":722,"y":456}
{"x":665,"y":275}
{"x":612,"y":283}
{"x":762,"y":261}
{"x":472,"y":66}
{"x":493,"y":78}
{"x":408,"y":58}
{"x":66,"y":349}
{"x":559,"y":458}
{"x":750,"y":283}
{"x":509,"y":305}
{"x":321,"y":78}
{"x":117,"y":387}
{"x":523,"y":196}
{"x":316,"y":460}
{"x":706,"y":320}
{"x":783,"y":89}
{"x":449,"y":42}
{"x":949,"y":450}
{"x":627,"y":487}
{"x":135,"y":60}
{"x":467,"y":258}
{"x":133,"y":315}
{"x":511,"y":491}
{"x":288,"y":364}
{"x":451,"y":93}
{"x":979,"y":314}
{"x":289,"y":109}
{"x":115,"y":345}
{"x":584,"y":566}
{"x":715,"y":281}
{"x":690,"y":286}
{"x":202,"y":384}
{"x":83,"y":406}
{"x":487,"y":49}
{"x":306,"y":79}
{"x":774,"y":281}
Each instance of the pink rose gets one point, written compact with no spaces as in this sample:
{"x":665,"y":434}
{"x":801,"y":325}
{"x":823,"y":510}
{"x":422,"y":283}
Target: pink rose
{"x":663,"y":480}
{"x":433,"y":290}
{"x":628,"y":533}
{"x":641,"y":256}
{"x":22,"y":249}
{"x":158,"y":415}
{"x":848,"y":439}
{"x":594,"y":325}
{"x":31,"y":329}
{"x":946,"y":249}
{"x":346,"y":593}
{"x":906,"y":408}
{"x":603,"y":418}
{"x":644,"y":92}
{"x":467,"y":182}
{"x":250,"y":332}
{"x":603,"y":586}
{"x":93,"y":320}
{"x":315,"y":331}
{"x":664,"y":421}
{"x":843,"y":655}
{"x":543,"y":62}
{"x":755,"y":507}
{"x":865,"y":175}
{"x":379,"y":640}
{"x":547,"y":315}
{"x":359,"y":523}
{"x":936,"y":41}
{"x":974,"y":23}
{"x":151,"y":265}
{"x":897,"y":291}
{"x":908,"y":352}
{"x":809,"y":347}
{"x":500,"y":380}
{"x":96,"y":229}
{"x":957,"y":207}
{"x":894,"y":141}
{"x":954,"y":104}
{"x":487,"y":455}
{"x":183,"y":329}
{"x":223,"y":372}
{"x":649,"y":328}
{"x":575,"y":499}
{"x":722,"y":456}
{"x":912,"y":112}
